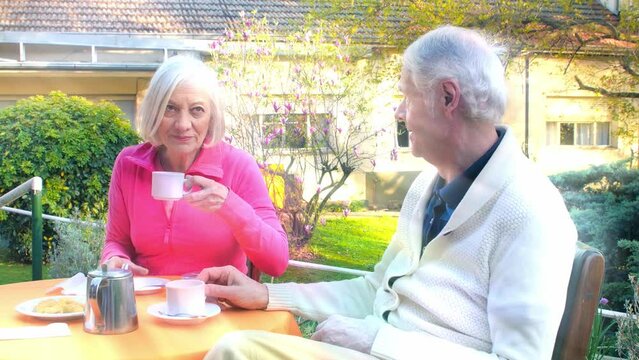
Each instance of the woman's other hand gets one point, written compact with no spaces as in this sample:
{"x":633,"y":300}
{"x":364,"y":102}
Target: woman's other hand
{"x":211,"y":195}
{"x":116,"y":262}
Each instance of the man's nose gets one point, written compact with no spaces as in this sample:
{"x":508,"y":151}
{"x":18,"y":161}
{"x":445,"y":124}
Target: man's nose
{"x":400,"y":112}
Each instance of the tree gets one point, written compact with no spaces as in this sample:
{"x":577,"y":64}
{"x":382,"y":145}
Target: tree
{"x":299,"y":103}
{"x":570,"y":28}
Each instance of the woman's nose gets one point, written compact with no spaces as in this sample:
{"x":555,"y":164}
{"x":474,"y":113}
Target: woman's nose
{"x":183,"y":121}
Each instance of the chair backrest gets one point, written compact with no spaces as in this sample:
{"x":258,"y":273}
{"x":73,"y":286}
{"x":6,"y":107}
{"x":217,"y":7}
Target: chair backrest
{"x":581,"y":304}
{"x":253,"y":272}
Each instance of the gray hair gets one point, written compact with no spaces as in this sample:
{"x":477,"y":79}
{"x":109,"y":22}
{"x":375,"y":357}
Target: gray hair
{"x":168,"y":76}
{"x":451,"y":52}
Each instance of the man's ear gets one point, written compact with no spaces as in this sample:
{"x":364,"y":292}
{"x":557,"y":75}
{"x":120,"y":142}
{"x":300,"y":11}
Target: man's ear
{"x":451,"y":92}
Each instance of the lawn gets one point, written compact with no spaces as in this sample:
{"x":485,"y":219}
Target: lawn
{"x":352,"y":242}
{"x":11,"y":272}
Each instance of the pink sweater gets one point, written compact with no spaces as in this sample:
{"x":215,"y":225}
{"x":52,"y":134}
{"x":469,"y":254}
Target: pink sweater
{"x":188,"y":239}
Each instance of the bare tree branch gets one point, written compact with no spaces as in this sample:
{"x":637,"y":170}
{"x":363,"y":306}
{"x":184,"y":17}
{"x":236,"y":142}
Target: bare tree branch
{"x":606,"y":92}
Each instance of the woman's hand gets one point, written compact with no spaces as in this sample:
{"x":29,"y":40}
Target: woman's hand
{"x":116,"y":262}
{"x":211,"y":195}
{"x":231,"y":286}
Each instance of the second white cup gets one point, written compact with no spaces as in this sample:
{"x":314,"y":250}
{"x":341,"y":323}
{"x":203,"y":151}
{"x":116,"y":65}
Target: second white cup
{"x":185,"y":297}
{"x":167,"y":185}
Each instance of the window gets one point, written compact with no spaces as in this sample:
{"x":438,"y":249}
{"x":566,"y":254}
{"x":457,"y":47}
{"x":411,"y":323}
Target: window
{"x":402,"y":134}
{"x":293,"y":131}
{"x":285,"y":134}
{"x":578,"y":134}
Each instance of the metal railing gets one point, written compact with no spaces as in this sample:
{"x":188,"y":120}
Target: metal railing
{"x":40,"y":215}
{"x":34,"y":186}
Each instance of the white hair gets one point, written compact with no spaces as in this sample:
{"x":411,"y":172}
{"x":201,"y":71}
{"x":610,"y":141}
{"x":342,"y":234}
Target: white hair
{"x":451,"y":52}
{"x":168,"y":76}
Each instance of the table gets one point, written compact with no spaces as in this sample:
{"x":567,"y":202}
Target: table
{"x":153,"y":339}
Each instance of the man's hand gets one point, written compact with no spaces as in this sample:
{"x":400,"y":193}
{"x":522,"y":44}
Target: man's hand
{"x":229,"y":285}
{"x":356,"y":334}
{"x":116,"y":262}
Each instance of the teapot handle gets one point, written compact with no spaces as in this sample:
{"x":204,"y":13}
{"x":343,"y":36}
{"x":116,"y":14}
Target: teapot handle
{"x":92,"y":298}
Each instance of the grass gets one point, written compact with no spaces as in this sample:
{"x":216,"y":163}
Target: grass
{"x":12,"y":272}
{"x":352,"y":242}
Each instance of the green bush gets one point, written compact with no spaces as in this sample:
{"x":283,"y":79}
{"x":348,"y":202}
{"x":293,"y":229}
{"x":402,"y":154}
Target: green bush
{"x":604,"y":203}
{"x":339,"y":206}
{"x":77,"y":250}
{"x":71,"y":143}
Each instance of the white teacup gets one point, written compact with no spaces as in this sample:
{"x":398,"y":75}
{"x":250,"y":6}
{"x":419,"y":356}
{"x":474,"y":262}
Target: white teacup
{"x":185,"y":297}
{"x":167,"y":185}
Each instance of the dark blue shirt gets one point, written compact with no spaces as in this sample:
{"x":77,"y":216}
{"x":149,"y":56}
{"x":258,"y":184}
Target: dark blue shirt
{"x":445,"y":197}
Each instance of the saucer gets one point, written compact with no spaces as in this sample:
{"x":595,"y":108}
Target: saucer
{"x":148,"y":285}
{"x":159,"y":311}
{"x":28,"y":308}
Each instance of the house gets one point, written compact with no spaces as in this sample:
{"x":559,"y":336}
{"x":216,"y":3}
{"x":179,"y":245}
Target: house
{"x":109,"y":49}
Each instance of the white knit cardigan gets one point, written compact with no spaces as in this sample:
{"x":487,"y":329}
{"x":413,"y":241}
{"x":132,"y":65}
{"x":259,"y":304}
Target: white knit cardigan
{"x":491,"y":285}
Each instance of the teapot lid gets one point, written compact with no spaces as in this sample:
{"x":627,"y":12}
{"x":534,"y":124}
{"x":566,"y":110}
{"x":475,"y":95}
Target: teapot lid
{"x":110,"y":273}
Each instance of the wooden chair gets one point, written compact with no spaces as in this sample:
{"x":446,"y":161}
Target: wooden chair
{"x":581,"y":304}
{"x":253,"y":272}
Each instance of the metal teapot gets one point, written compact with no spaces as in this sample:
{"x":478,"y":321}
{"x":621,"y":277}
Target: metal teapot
{"x":110,"y":305}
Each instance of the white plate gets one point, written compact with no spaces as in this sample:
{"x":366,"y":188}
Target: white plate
{"x":159,"y":311}
{"x":148,"y":285}
{"x":27,"y":307}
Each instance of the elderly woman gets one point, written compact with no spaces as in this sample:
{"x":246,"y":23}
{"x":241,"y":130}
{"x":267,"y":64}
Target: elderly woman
{"x":229,"y":215}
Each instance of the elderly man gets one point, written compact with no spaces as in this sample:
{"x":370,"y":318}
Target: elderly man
{"x":480,"y":261}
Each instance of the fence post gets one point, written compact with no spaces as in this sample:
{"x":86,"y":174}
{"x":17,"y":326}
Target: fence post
{"x":36,"y":229}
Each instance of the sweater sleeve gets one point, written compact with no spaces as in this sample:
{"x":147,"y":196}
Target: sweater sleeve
{"x":250,"y":213}
{"x":317,"y":301}
{"x":118,"y":238}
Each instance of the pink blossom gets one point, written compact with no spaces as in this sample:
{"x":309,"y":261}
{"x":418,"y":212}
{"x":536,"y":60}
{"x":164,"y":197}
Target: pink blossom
{"x":279,"y":131}
{"x":299,"y":179}
{"x":228,"y":34}
{"x":603,"y":301}
{"x":323,"y":221}
{"x":346,"y":211}
{"x":312,"y":129}
{"x":246,"y":34}
{"x":319,"y":189}
{"x":215,"y":44}
{"x":308,"y":228}
{"x":297,"y":69}
{"x":276,"y":106}
{"x":262,"y":165}
{"x":337,"y":43}
{"x":339,"y":129}
{"x":394,"y":154}
{"x":288,"y":107}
